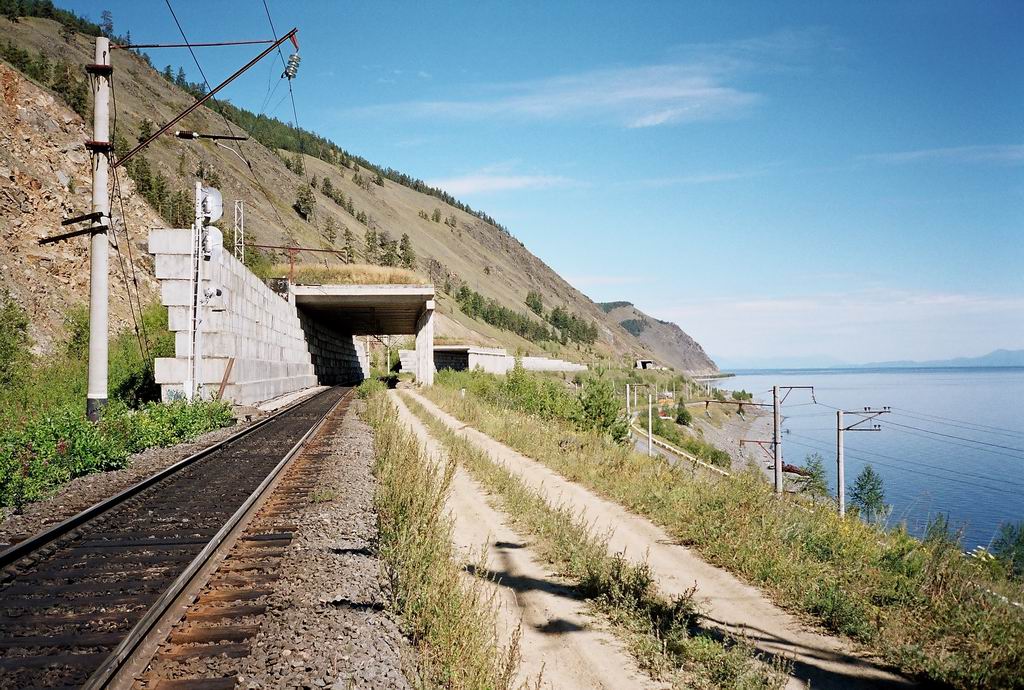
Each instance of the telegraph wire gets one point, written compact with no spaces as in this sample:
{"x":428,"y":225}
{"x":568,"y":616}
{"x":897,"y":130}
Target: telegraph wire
{"x":227,"y":121}
{"x":955,"y":480}
{"x":903,"y":427}
{"x":959,"y":438}
{"x":901,"y":460}
{"x":970,"y":426}
{"x":142,"y":336}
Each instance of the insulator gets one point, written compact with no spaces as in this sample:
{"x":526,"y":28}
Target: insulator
{"x":292,"y":68}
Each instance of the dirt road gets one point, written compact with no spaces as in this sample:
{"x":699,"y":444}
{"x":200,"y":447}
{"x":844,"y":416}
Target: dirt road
{"x":822,"y":660}
{"x":560,"y":641}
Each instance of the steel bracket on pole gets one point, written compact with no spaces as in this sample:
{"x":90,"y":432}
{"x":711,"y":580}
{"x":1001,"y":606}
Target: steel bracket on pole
{"x":74,"y":233}
{"x":99,"y":146}
{"x":101,"y":70}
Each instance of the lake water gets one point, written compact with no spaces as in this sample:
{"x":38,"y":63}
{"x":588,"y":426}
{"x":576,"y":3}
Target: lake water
{"x":978,"y":486}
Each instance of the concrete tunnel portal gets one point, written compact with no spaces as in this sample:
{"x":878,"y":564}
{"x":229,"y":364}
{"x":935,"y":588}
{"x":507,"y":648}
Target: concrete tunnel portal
{"x":331,"y":314}
{"x":248,"y":343}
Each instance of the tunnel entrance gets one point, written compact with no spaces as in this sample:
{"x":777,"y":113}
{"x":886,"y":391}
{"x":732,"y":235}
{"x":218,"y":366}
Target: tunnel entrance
{"x":331,"y":314}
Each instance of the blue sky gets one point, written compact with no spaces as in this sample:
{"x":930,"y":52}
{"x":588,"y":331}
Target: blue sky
{"x":791,"y":182}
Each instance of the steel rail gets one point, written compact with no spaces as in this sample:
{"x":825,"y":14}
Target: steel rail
{"x":16,"y":552}
{"x":123,"y":652}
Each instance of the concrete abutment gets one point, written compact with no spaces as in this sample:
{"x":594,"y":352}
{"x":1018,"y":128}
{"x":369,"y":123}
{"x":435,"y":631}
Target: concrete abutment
{"x":261,"y":344}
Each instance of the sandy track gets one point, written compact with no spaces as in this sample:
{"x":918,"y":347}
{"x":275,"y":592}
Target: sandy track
{"x":823,"y":660}
{"x":559,"y":641}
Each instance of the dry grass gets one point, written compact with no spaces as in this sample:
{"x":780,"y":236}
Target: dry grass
{"x":920,"y":605}
{"x":663,"y":634}
{"x":450,"y":618}
{"x":349,"y":274}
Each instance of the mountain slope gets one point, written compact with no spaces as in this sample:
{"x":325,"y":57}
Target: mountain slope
{"x":467,"y":251}
{"x":669,"y":343}
{"x":996,"y":358}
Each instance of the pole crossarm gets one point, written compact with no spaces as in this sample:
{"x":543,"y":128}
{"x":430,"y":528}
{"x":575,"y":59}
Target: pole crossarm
{"x":173,"y":121}
{"x":790,"y":389}
{"x":867,"y":415}
{"x":764,"y":445}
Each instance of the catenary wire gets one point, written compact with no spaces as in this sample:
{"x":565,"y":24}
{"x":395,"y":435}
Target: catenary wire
{"x":227,"y":121}
{"x":956,"y":480}
{"x":140,"y":335}
{"x":857,"y":452}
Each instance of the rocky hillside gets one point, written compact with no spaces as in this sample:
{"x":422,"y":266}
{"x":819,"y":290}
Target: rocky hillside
{"x":462,"y":250}
{"x":669,"y":343}
{"x":45,"y":177}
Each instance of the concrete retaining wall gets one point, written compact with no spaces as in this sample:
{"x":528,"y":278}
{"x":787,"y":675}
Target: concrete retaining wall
{"x":337,"y":359}
{"x":248,"y":322}
{"x":490,"y":360}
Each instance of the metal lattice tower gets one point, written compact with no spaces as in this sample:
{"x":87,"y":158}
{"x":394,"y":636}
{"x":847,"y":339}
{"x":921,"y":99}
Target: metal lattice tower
{"x":239,"y":229}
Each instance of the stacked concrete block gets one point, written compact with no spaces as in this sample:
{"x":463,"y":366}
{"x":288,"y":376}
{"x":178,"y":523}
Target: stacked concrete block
{"x":547,"y":364}
{"x":338,"y":359}
{"x":248,"y":322}
{"x":488,"y":359}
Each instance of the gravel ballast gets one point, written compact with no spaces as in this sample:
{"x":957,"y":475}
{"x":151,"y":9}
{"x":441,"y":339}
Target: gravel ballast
{"x":326,"y":624}
{"x":82,"y":492}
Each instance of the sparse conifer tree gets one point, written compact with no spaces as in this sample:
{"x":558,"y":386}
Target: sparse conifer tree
{"x":349,"y":251}
{"x":406,"y":253}
{"x":305,"y":202}
{"x":107,"y":23}
{"x":330,"y":230}
{"x":868,"y":494}
{"x":372,"y":246}
{"x":327,"y":188}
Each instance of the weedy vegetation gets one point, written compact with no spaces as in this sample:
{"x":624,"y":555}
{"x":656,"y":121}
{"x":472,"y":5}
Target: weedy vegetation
{"x":448,"y":616}
{"x":349,"y":274}
{"x":920,"y":604}
{"x":45,"y":439}
{"x":663,"y":634}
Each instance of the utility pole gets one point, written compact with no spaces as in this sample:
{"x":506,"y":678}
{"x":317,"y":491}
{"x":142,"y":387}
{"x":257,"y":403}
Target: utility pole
{"x":650,"y":425}
{"x":96,"y":395}
{"x":628,"y":413}
{"x":867,"y":414}
{"x":777,"y":441}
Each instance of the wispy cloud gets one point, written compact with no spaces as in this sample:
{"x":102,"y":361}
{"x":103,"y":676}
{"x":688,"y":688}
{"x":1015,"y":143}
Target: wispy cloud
{"x":701,"y":83}
{"x":634,"y":97}
{"x":488,"y":181}
{"x":698,"y":178}
{"x":1004,"y":154}
{"x":864,"y":325}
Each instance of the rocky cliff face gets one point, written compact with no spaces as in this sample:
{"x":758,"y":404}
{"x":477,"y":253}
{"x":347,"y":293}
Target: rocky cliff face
{"x":45,"y":176}
{"x":669,"y":343}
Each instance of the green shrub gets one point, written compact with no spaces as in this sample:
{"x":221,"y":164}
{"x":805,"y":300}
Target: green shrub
{"x":45,"y":451}
{"x":369,"y":386}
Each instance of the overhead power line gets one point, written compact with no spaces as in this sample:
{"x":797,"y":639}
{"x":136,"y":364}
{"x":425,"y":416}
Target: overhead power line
{"x":959,"y":423}
{"x":957,"y":480}
{"x":227,"y":121}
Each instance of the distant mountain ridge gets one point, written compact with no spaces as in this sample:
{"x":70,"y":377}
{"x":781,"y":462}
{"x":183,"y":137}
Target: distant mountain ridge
{"x":996,"y":358}
{"x":669,"y":343}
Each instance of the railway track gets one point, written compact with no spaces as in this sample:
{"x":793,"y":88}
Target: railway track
{"x":84,"y":600}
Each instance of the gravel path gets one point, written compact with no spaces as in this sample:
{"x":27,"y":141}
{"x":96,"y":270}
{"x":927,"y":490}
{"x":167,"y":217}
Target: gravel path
{"x":82,"y":492}
{"x":326,"y":625}
{"x":823,"y":660}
